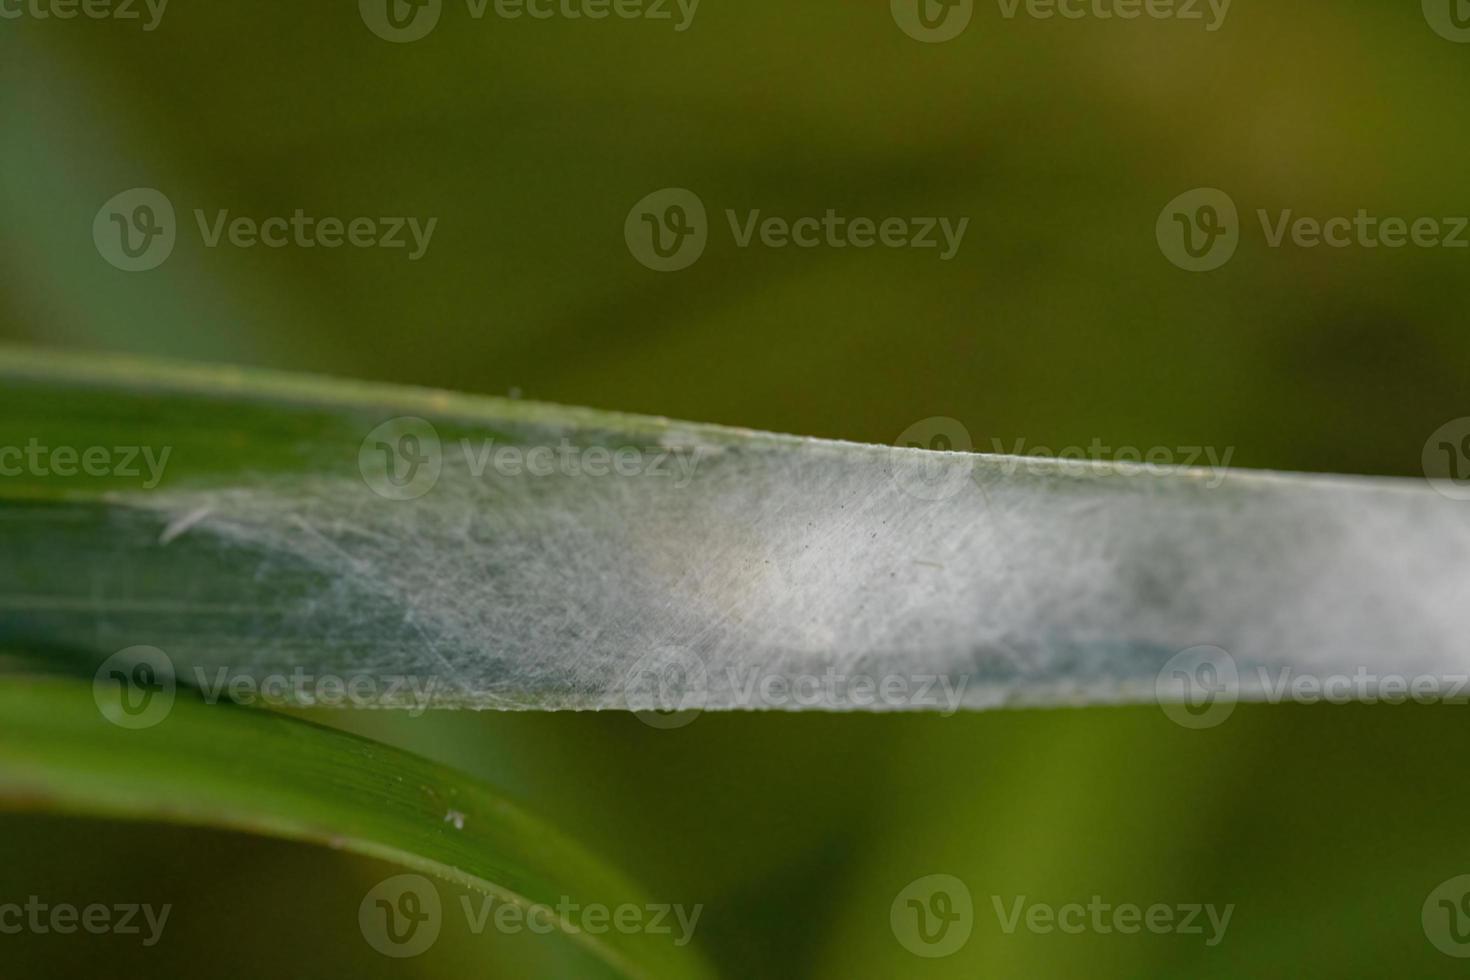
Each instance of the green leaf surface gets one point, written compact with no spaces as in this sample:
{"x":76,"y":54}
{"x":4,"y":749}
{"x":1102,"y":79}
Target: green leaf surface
{"x":457,"y":551}
{"x":263,"y":773}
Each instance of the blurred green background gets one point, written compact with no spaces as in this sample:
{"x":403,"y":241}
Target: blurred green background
{"x":1059,"y":322}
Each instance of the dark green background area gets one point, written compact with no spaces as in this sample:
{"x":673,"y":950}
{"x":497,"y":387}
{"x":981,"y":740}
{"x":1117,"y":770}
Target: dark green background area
{"x":1059,"y":323}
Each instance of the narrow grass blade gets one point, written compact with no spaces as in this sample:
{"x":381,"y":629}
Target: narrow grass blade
{"x":264,"y":773}
{"x":476,"y":552}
